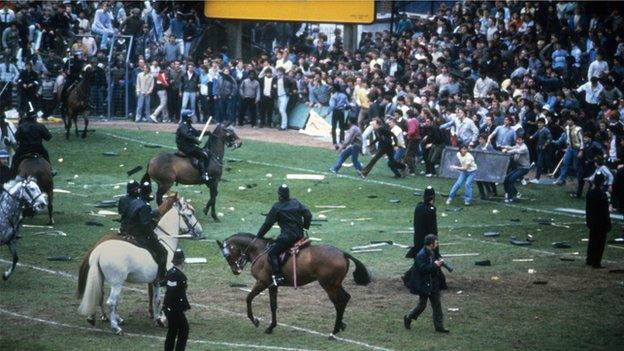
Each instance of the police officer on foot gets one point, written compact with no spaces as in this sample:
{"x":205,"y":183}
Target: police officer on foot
{"x":425,"y":283}
{"x":132,"y":194}
{"x":598,"y":220}
{"x":5,"y":171}
{"x":187,"y":142}
{"x":175,"y":304}
{"x":292,"y":218}
{"x":142,"y":221}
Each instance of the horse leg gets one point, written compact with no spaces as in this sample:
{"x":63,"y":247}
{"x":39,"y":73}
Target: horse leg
{"x":156,"y":306}
{"x":150,"y":304}
{"x":50,"y":208}
{"x":68,"y":126}
{"x":86,"y":125}
{"x":13,"y":249}
{"x":75,"y":119}
{"x":339,"y":297}
{"x":112,"y":308}
{"x":273,"y":301}
{"x":162,"y":190}
{"x":211,"y":204}
{"x":257,"y":289}
{"x":103,"y":317}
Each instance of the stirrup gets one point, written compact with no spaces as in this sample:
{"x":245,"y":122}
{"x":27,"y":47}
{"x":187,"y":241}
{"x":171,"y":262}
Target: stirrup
{"x":276,"y":280}
{"x":206,"y":177}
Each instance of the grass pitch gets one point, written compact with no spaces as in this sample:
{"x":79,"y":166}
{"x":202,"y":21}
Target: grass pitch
{"x":493,"y":308}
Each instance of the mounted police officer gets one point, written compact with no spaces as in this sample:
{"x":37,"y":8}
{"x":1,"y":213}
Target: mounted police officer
{"x":175,"y":303}
{"x":30,"y":136}
{"x":125,"y":202}
{"x":292,"y":218}
{"x":187,"y":142}
{"x":73,"y":69}
{"x":141,"y":222}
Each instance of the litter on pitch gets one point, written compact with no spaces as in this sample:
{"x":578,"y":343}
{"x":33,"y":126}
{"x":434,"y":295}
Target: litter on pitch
{"x":330,"y":206}
{"x":314,"y":239}
{"x":305,"y":176}
{"x":368,"y":250}
{"x":370,"y":246}
{"x":51,"y":233}
{"x":37,"y":226}
{"x":522,"y":260}
{"x":61,"y":191}
{"x":195,"y":260}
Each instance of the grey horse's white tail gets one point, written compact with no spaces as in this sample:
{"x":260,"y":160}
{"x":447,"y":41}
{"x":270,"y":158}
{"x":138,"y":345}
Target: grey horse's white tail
{"x":90,"y":282}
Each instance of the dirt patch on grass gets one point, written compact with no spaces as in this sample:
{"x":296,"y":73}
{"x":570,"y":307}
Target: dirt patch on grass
{"x":271,"y":135}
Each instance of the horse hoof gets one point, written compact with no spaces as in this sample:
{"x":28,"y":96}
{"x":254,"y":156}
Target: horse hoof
{"x":332,"y":336}
{"x":104,"y":318}
{"x":343,"y":326}
{"x":160,"y":323}
{"x":5,"y":276}
{"x":269,"y":330}
{"x":205,"y":211}
{"x":91,"y":320}
{"x":256,"y":322}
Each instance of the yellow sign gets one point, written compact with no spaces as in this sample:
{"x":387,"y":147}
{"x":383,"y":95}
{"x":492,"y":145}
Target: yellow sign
{"x":327,"y":11}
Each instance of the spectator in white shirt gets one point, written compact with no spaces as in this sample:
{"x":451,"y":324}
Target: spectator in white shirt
{"x":598,"y":68}
{"x":483,"y":86}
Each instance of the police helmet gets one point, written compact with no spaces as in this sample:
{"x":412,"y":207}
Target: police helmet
{"x":146,"y":191}
{"x":429,"y":193}
{"x":178,"y":257}
{"x":283,"y":192}
{"x":185,"y":115}
{"x":133,"y":187}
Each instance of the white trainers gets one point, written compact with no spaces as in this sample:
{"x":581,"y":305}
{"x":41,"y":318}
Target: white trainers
{"x":448,"y":201}
{"x":534,"y":181}
{"x":153,"y":118}
{"x":428,"y":175}
{"x":523,"y":182}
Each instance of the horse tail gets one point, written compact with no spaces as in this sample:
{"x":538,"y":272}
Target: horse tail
{"x":361,"y":274}
{"x":90,"y":283}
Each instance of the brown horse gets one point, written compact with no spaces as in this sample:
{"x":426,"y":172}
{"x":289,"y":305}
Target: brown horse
{"x":325,"y":264}
{"x":169,"y":168}
{"x":76,"y":102}
{"x":41,"y":170}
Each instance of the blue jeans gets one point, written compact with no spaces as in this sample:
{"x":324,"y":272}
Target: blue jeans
{"x":510,"y":181}
{"x":187,"y":97}
{"x":106,"y":34}
{"x":467,"y":178}
{"x":282,"y":103}
{"x":225,"y":111}
{"x":354,"y":152}
{"x":570,"y":158}
{"x":143,"y":103}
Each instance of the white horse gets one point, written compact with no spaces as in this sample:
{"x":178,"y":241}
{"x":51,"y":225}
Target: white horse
{"x":117,"y":261}
{"x":15,"y":196}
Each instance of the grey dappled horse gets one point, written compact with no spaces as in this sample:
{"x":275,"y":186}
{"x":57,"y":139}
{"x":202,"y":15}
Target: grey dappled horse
{"x":16,"y":196}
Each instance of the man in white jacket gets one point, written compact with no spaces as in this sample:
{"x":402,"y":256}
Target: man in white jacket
{"x":144,"y":87}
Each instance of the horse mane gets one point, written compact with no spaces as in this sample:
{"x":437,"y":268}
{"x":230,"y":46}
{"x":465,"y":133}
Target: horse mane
{"x":249,"y":236}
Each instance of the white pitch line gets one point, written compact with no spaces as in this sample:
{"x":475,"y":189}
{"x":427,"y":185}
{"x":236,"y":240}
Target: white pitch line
{"x":147,"y":336}
{"x":342,"y":176}
{"x":309,"y":331}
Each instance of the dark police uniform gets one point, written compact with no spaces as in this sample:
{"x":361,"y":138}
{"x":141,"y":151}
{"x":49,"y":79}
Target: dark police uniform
{"x":598,"y":221}
{"x":5,"y":174}
{"x":186,"y":141}
{"x":141,"y":223}
{"x":28,"y":94}
{"x":425,"y":282}
{"x":425,"y":222}
{"x":385,"y":140}
{"x":124,"y":205}
{"x":73,"y":68}
{"x":174,"y":305}
{"x":292,"y":218}
{"x":29,"y":137}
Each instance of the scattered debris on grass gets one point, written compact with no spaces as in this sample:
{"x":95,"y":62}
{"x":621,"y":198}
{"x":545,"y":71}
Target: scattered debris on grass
{"x":152,"y":146}
{"x":561,"y":245}
{"x":237,"y":285}
{"x":394,"y":201}
{"x":305,"y":176}
{"x":453,"y":309}
{"x":523,"y":260}
{"x":567,"y":259}
{"x":532,"y":271}
{"x":107,"y":213}
{"x":483,"y":263}
{"x":107,"y":203}
{"x":37,"y":226}
{"x":515,"y":241}
{"x":110,"y":153}
{"x":51,"y":233}
{"x":59,"y":258}
{"x":369,"y":246}
{"x":195,"y":260}
{"x":491,"y":234}
{"x":134,"y":170}
{"x":330,"y":206}
{"x":61,"y":191}
{"x":540,"y":282}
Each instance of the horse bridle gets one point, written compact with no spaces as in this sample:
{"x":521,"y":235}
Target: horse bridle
{"x":23,"y":183}
{"x":186,"y":221}
{"x":243,"y":259}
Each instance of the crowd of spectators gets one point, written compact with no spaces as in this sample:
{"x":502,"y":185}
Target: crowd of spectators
{"x":479,"y":74}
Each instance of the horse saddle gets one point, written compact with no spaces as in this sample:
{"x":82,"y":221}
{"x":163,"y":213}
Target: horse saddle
{"x":294,"y":250}
{"x":194,"y":161}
